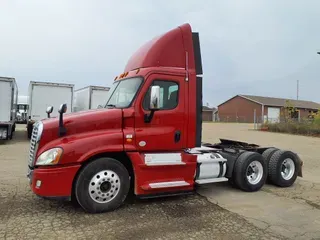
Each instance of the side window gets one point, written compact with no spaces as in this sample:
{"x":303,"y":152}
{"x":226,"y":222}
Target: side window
{"x":169,"y":95}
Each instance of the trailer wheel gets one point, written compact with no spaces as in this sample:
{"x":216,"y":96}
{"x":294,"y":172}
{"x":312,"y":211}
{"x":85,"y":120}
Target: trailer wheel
{"x":250,"y":171}
{"x":102,"y":185}
{"x":283,"y":168}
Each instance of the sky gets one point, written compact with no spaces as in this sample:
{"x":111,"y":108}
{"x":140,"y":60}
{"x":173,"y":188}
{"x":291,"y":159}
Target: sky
{"x":248,"y":47}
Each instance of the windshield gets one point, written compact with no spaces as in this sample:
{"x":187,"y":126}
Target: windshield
{"x":122,"y":92}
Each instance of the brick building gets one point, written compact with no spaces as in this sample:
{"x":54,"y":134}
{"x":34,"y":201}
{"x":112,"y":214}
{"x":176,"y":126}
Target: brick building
{"x":244,"y":108}
{"x":207,"y":113}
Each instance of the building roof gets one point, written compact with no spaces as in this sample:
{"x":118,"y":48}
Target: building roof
{"x":205,"y":108}
{"x":279,"y":102}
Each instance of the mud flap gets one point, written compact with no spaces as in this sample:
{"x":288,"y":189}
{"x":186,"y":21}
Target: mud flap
{"x":300,"y":166}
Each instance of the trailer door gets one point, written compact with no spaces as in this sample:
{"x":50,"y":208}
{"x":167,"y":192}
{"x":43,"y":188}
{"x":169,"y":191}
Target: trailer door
{"x":5,"y":101}
{"x":44,"y":96}
{"x":98,"y":97}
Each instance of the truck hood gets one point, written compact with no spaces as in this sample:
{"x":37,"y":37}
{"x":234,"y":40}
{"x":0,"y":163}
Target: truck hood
{"x":82,"y":122}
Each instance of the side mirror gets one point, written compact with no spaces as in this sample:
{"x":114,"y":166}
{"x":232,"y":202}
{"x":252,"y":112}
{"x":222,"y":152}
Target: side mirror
{"x":155,"y":98}
{"x":154,"y":103}
{"x":62,"y":108}
{"x":49,"y":110}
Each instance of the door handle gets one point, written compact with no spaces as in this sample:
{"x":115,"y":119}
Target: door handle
{"x":177,"y":136}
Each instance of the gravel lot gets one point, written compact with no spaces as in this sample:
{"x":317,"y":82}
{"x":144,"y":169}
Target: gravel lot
{"x":292,"y":212}
{"x":217,"y":212}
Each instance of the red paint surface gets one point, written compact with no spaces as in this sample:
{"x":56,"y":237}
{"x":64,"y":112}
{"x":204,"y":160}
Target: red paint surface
{"x":107,"y":130}
{"x":166,"y":50}
{"x":88,"y":133}
{"x":144,"y":175}
{"x":159,"y":133}
{"x":55,"y":182}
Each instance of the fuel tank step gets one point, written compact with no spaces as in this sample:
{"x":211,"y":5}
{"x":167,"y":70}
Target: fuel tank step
{"x":211,"y":180}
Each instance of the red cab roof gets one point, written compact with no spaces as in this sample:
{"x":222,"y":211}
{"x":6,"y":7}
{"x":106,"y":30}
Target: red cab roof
{"x":171,"y":49}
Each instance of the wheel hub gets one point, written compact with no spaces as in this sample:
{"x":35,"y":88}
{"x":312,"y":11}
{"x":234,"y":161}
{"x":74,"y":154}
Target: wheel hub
{"x":254,"y":172}
{"x":287,"y":169}
{"x":104,"y":186}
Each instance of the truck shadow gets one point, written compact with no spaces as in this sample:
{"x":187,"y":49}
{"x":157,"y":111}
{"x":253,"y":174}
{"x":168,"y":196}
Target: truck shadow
{"x":130,"y":202}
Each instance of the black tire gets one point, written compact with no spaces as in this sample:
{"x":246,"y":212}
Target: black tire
{"x":240,"y":171}
{"x":232,"y":183}
{"x":29,"y":130}
{"x":87,"y":175}
{"x":267,"y":154}
{"x":275,"y":168}
{"x":10,"y":135}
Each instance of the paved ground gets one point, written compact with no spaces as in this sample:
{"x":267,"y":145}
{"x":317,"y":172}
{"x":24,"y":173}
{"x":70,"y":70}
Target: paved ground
{"x":219,"y":212}
{"x":292,"y":212}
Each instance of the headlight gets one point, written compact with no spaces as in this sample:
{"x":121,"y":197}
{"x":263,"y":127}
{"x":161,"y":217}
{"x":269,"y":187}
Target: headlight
{"x":49,"y":157}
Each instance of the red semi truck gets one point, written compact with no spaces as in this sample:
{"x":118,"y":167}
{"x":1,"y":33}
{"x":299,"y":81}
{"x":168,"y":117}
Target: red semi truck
{"x":147,"y":138}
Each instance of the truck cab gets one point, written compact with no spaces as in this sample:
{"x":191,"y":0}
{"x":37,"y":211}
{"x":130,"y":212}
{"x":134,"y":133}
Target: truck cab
{"x":147,"y":137}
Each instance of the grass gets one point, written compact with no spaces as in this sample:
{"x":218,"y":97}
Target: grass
{"x":306,"y":128}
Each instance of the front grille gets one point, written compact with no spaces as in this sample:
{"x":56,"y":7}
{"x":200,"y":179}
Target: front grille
{"x":33,"y":144}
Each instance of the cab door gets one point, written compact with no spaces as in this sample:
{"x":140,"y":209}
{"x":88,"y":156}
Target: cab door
{"x":166,"y":131}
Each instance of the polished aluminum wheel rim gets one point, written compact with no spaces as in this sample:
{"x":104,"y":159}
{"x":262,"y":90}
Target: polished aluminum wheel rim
{"x":254,"y":172}
{"x":287,"y":169}
{"x":104,"y":186}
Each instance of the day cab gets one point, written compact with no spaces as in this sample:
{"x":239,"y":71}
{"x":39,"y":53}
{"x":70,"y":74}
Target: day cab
{"x":147,"y":137}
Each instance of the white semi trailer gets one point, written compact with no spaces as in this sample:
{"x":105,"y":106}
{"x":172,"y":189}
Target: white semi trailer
{"x":90,"y":97}
{"x":45,"y":94}
{"x":8,"y":107}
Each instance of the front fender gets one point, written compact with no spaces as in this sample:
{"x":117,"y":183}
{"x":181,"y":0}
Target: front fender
{"x":79,"y":147}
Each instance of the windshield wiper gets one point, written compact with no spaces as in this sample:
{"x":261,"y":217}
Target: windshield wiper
{"x":111,"y":105}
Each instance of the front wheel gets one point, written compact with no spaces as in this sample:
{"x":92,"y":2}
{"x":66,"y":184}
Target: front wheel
{"x":250,"y":171}
{"x":29,"y":130}
{"x":102,"y":185}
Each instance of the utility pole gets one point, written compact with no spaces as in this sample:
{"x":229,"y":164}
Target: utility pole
{"x":297,"y":89}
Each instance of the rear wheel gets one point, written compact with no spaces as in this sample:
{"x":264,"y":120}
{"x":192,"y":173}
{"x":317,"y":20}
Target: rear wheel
{"x":102,"y":185}
{"x":283,"y":168}
{"x":250,"y":171}
{"x":267,"y":154}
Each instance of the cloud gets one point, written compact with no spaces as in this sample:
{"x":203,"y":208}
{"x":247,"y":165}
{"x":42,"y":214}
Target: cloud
{"x":256,"y":47}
